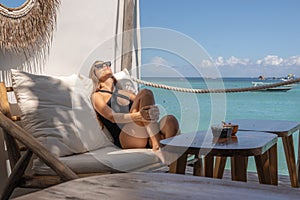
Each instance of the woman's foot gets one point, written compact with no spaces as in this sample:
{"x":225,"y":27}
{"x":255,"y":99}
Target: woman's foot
{"x":160,"y":155}
{"x":155,"y":147}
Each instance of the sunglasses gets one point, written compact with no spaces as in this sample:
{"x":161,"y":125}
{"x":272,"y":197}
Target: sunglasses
{"x":107,"y":64}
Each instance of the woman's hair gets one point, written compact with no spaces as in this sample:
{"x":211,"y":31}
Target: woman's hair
{"x":93,"y":75}
{"x":95,"y":80}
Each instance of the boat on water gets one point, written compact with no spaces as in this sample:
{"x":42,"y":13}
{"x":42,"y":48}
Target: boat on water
{"x":289,"y":77}
{"x":273,"y":89}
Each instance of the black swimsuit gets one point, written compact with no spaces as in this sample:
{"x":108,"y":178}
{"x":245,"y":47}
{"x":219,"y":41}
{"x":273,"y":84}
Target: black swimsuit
{"x":114,"y":128}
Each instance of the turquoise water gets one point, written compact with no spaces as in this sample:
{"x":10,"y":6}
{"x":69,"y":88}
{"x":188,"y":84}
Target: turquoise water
{"x":199,"y":111}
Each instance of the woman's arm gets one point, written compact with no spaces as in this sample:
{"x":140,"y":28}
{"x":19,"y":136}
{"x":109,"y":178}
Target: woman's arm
{"x":128,"y":94}
{"x":146,"y":114}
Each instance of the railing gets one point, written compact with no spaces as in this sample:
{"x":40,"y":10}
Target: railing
{"x":228,"y":90}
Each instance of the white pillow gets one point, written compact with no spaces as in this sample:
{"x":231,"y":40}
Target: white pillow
{"x":58,"y":112}
{"x":125,"y":82}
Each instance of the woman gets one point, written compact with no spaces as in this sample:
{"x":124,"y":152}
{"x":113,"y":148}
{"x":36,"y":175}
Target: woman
{"x":131,"y":119}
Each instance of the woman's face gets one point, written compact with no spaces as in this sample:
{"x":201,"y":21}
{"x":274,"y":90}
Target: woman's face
{"x":103,"y":71}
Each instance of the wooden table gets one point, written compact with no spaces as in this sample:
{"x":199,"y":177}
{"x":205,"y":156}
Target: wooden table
{"x":283,"y":129}
{"x":263,"y":146}
{"x":136,"y":186}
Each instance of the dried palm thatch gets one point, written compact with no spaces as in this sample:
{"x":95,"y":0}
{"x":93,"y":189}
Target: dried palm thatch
{"x":28,"y":29}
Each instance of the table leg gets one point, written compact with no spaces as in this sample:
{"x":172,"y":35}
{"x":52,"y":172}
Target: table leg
{"x":288,"y":145}
{"x":220,"y":163}
{"x":239,"y":168}
{"x":178,"y":166}
{"x":262,"y":166}
{"x":198,"y":166}
{"x":208,"y":165}
{"x":273,"y":164}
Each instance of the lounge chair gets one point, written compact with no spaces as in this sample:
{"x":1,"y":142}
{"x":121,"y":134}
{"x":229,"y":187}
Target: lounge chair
{"x":57,"y":137}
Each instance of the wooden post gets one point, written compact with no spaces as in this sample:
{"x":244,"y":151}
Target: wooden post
{"x":35,"y":146}
{"x":298,"y":160}
{"x":11,"y":144}
{"x":127,"y":37}
{"x":3,"y":158}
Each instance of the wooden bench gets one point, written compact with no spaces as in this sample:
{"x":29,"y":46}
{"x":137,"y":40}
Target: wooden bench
{"x":19,"y":160}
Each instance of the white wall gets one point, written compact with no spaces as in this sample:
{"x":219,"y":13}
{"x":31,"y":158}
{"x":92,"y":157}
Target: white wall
{"x":81,"y":27}
{"x":86,"y":31}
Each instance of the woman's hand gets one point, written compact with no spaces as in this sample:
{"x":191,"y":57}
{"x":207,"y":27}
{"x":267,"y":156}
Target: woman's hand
{"x":150,"y":113}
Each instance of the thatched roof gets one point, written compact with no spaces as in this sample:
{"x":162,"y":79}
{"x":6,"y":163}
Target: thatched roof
{"x":28,"y":29}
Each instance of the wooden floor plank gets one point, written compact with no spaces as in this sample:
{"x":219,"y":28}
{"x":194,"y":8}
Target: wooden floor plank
{"x":160,"y":186}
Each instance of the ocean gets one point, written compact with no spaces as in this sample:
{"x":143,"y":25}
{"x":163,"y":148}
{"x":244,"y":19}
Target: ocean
{"x":200,"y":111}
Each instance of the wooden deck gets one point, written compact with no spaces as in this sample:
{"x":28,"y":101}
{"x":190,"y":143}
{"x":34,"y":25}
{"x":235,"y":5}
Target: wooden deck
{"x":160,"y":186}
{"x":283,"y":180}
{"x":252,"y":178}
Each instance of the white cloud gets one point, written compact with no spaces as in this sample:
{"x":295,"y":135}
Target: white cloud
{"x":219,"y":61}
{"x":158,"y":61}
{"x":238,"y":61}
{"x":269,"y":60}
{"x":294,"y":60}
{"x":232,"y":61}
{"x":270,"y":65}
{"x":207,"y":63}
{"x":159,"y":67}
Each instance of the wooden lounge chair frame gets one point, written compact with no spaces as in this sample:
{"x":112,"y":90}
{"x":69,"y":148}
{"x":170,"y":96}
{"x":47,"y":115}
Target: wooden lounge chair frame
{"x":20,"y":158}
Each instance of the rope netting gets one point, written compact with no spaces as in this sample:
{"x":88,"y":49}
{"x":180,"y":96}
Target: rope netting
{"x":228,"y":90}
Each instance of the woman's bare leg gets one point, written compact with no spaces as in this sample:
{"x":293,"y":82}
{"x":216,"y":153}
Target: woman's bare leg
{"x":144,"y":98}
{"x":133,"y":136}
{"x":169,"y":126}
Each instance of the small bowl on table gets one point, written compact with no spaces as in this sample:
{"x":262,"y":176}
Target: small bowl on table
{"x":221,"y":131}
{"x":234,"y":127}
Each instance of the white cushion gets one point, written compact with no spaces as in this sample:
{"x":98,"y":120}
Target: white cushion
{"x":107,"y":159}
{"x":125,"y":82}
{"x":58,"y":112}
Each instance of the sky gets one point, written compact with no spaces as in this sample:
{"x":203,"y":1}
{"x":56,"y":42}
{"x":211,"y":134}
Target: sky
{"x":12,"y":3}
{"x":241,"y":37}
